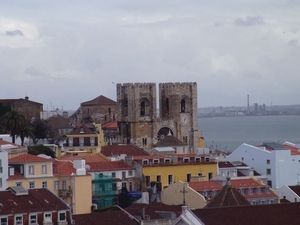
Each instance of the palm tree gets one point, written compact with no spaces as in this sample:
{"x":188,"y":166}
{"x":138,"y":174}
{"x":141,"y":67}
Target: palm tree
{"x":13,"y":122}
{"x":25,"y":132}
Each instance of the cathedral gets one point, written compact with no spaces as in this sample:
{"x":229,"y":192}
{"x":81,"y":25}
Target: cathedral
{"x":146,"y":116}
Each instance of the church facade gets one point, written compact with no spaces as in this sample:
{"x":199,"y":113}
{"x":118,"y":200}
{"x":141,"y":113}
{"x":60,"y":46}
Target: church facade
{"x":146,"y":115}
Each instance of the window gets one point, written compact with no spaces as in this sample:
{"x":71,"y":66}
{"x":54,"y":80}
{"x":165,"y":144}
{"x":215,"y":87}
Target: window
{"x":142,"y":108}
{"x":81,"y":141}
{"x":56,"y":185}
{"x":62,"y":216}
{"x":31,"y":170}
{"x":18,"y":183}
{"x":197,"y":159}
{"x":123,"y":175}
{"x":155,"y":161}
{"x":64,"y":185}
{"x":44,"y":184}
{"x":0,"y":182}
{"x":170,"y":179}
{"x":44,"y":169}
{"x":186,"y":159}
{"x":147,"y":180}
{"x":92,"y":141}
{"x":185,"y":139}
{"x":130,"y":186}
{"x":158,"y":178}
{"x":268,"y":161}
{"x":167,"y":161}
{"x":268,"y":171}
{"x":182,"y":106}
{"x":250,"y":191}
{"x":31,"y":184}
{"x":47,"y":217}
{"x":70,"y":141}
{"x":210,"y":175}
{"x":81,"y":130}
{"x":267,"y":189}
{"x":113,"y":174}
{"x":32,"y":218}
{"x":200,"y":174}
{"x":188,"y":177}
{"x":130,"y":172}
{"x":145,"y":161}
{"x":144,"y":141}
{"x":242,"y":191}
{"x":18,"y":219}
{"x":258,"y":190}
{"x":3,"y":221}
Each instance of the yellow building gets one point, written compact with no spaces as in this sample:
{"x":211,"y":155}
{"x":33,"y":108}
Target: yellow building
{"x":64,"y":178}
{"x":172,"y":168}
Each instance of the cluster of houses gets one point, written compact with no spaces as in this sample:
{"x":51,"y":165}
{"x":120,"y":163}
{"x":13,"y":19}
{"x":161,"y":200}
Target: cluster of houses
{"x":95,"y":180}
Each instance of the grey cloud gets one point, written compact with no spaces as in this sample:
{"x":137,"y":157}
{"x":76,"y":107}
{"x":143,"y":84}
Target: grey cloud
{"x":292,"y":43}
{"x":34,"y":72}
{"x":249,"y":21}
{"x":14,"y":33}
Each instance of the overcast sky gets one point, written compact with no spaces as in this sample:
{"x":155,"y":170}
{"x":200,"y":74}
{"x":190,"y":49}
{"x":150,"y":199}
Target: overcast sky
{"x":64,"y":52}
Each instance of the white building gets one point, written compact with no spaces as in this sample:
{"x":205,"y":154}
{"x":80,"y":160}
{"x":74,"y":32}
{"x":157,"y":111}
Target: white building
{"x":279,"y":163}
{"x":3,"y":169}
{"x":290,"y":193}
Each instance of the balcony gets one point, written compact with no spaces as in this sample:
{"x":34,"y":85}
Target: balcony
{"x":65,"y":193}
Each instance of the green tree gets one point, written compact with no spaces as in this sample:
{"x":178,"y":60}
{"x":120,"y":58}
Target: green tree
{"x":4,"y":108}
{"x":25,"y":132}
{"x":41,"y":130}
{"x":13,"y":123}
{"x":41,"y":149}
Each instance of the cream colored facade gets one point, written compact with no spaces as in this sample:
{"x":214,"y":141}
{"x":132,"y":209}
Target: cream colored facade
{"x":180,"y":192}
{"x":75,"y":189}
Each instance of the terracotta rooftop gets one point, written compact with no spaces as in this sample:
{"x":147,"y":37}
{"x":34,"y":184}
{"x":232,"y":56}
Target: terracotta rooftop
{"x":100,"y":100}
{"x":2,"y":142}
{"x":37,"y":200}
{"x":116,"y":150}
{"x":118,"y":217}
{"x":108,"y":166}
{"x":63,"y":168}
{"x":201,"y":186}
{"x":26,"y":158}
{"x":16,"y":176}
{"x":169,"y":141}
{"x":294,"y":150}
{"x":227,"y":196}
{"x":110,"y":125}
{"x":275,"y":214}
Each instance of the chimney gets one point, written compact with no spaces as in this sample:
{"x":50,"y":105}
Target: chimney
{"x":26,"y":98}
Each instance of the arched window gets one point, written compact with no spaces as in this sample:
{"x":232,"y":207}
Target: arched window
{"x":145,"y":161}
{"x":182,"y":105}
{"x":167,"y":105}
{"x":186,"y":159}
{"x":197,"y":159}
{"x":143,"y":109}
{"x":167,"y":160}
{"x":242,"y":191}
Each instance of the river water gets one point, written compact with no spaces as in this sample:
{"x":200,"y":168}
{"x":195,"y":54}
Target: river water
{"x":228,"y":133}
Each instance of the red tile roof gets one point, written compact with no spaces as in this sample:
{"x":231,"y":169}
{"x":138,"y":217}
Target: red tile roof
{"x":25,"y":158}
{"x":227,"y":196}
{"x":201,"y":186}
{"x":63,"y":168}
{"x":294,"y":150}
{"x":169,"y":141}
{"x":275,"y":214}
{"x":37,"y":200}
{"x":118,"y":217}
{"x":2,"y":142}
{"x":100,"y":100}
{"x":110,"y":125}
{"x":16,"y":176}
{"x":108,"y":166}
{"x":116,"y":150}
